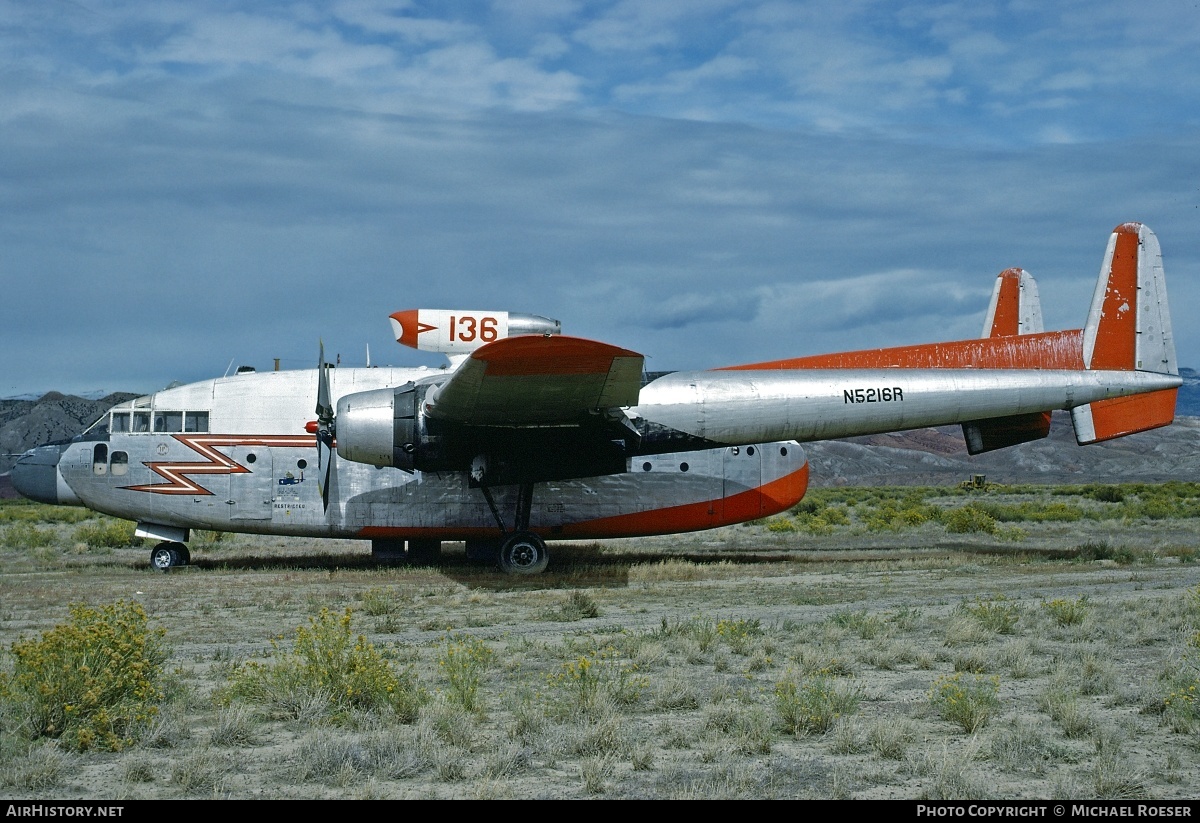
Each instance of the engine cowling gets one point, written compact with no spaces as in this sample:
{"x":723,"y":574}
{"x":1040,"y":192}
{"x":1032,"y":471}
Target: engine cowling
{"x":388,"y":428}
{"x":383,"y":427}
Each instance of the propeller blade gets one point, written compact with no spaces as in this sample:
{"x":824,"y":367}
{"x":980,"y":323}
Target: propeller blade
{"x":325,"y":430}
{"x":324,"y":408}
{"x":324,"y":467}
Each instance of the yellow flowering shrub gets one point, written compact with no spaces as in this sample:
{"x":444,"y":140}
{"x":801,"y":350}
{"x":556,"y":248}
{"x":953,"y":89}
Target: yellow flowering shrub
{"x":326,"y":665}
{"x":92,"y":682}
{"x":968,"y":701}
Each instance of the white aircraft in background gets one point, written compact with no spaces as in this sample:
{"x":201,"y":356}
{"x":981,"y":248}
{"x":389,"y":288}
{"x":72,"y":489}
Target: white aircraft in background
{"x":530,"y":435}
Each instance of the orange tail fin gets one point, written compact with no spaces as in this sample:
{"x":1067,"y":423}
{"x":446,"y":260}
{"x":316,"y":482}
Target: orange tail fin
{"x":1128,"y":329}
{"x":1015,"y":309}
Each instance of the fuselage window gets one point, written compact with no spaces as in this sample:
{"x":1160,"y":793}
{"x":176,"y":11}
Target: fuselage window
{"x":100,"y":459}
{"x":120,"y":422}
{"x":168,"y":421}
{"x":195,"y":422}
{"x":120,"y":463}
{"x":141,"y":421}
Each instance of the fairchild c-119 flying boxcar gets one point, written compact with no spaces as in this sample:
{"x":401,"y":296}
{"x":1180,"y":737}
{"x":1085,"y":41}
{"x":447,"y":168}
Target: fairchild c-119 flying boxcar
{"x":530,"y":435}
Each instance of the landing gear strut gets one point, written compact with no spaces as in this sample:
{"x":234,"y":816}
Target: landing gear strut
{"x":168,"y":555}
{"x":521,"y":551}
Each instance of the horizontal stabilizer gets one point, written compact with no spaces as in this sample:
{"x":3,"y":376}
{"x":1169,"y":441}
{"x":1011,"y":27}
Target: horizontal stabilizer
{"x":1119,"y":416}
{"x":1001,"y":432}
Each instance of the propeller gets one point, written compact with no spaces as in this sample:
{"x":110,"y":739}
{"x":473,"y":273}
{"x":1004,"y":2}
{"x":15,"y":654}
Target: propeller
{"x":325,"y":430}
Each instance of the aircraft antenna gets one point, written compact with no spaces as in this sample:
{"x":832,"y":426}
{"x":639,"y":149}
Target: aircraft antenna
{"x":230,"y":366}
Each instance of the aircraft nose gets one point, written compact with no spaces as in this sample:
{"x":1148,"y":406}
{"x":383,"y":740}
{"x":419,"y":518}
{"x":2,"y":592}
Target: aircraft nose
{"x":36,"y":476}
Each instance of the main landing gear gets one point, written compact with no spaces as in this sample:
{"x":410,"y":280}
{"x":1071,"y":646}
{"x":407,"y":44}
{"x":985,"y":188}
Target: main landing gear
{"x":168,"y":555}
{"x":520,"y":551}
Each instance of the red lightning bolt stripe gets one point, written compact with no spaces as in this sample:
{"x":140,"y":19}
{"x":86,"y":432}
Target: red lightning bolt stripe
{"x":177,"y":474}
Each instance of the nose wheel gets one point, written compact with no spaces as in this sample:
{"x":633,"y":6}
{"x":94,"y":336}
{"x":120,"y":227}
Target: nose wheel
{"x":169,"y":555}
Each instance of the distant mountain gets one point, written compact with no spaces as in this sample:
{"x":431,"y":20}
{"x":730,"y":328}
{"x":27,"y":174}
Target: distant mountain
{"x":95,"y":394}
{"x":53,"y":416}
{"x":939,"y":457}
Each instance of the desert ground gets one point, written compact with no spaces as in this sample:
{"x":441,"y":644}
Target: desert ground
{"x":870,"y":644}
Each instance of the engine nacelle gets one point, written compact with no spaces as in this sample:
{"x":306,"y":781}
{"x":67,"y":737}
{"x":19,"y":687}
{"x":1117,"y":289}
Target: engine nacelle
{"x":388,"y":428}
{"x":382,"y":427}
{"x":462,"y":332}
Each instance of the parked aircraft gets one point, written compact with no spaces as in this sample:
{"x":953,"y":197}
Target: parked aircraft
{"x":529,"y":435}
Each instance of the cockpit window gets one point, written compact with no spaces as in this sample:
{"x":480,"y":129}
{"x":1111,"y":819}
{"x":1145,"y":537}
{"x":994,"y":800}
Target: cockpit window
{"x":100,"y":426}
{"x":120,"y":463}
{"x":168,"y":421}
{"x":195,"y":422}
{"x":123,"y":422}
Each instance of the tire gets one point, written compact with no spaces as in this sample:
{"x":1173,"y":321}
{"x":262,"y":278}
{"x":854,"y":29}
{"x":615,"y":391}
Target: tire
{"x":524,"y":553}
{"x":164,"y":556}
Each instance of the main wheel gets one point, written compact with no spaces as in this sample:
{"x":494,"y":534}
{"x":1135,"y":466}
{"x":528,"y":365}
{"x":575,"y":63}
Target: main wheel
{"x":164,"y":556}
{"x":524,"y":553}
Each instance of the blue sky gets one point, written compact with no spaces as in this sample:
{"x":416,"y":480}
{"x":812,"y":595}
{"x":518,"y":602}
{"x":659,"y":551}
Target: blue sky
{"x":186,"y":185}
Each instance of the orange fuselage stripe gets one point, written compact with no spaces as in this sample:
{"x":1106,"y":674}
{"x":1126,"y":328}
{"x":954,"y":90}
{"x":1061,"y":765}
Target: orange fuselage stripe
{"x":1045,"y":350}
{"x":751,"y":504}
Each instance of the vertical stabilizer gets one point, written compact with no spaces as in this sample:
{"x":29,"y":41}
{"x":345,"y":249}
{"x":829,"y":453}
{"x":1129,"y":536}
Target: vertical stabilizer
{"x":1015,"y":307}
{"x":1128,"y":329}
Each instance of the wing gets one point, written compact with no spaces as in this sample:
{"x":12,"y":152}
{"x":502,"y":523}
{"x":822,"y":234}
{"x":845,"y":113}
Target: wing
{"x":537,"y":380}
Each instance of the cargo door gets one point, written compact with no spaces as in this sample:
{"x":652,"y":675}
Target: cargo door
{"x":251,"y":492}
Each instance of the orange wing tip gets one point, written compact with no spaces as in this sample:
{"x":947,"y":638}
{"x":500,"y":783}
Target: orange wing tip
{"x":550,"y":355}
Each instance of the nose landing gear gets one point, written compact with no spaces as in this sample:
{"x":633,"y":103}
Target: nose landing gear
{"x":168,"y":555}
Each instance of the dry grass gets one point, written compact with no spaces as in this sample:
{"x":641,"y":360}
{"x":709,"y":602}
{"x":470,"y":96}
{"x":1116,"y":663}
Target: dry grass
{"x":653,"y":668}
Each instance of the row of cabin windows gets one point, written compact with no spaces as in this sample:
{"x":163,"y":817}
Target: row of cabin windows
{"x":162,"y":421}
{"x":101,"y":465}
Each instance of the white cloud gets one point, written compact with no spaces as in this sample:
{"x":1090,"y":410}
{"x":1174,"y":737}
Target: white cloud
{"x":706,"y":183}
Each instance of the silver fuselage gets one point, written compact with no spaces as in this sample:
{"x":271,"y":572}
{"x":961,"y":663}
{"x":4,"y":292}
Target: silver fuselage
{"x":254,"y":467}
